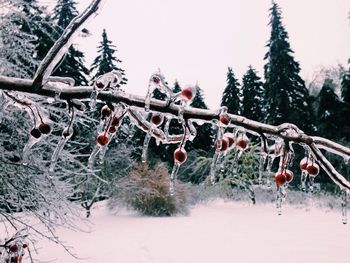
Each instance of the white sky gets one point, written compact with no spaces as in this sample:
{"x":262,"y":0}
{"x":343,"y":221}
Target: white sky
{"x":196,"y":40}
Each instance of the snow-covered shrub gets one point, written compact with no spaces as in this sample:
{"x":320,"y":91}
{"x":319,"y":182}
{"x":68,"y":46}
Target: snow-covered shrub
{"x":147,"y":191}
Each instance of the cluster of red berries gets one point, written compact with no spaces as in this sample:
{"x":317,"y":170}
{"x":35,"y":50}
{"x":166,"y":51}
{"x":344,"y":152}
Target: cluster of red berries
{"x":43,"y":128}
{"x":228,"y":140}
{"x":16,"y":252}
{"x":307,"y":165}
{"x":114,"y":123}
{"x":283,"y":176}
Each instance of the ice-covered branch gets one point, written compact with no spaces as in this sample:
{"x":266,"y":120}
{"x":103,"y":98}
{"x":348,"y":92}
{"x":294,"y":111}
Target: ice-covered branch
{"x":287,"y":132}
{"x":61,"y":46}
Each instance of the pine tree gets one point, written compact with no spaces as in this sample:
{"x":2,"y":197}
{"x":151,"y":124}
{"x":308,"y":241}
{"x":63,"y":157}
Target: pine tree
{"x":286,"y":96}
{"x":329,"y":111}
{"x":253,"y":96}
{"x":231,"y":95}
{"x":72,"y":65}
{"x":106,"y":61}
{"x":345,"y":87}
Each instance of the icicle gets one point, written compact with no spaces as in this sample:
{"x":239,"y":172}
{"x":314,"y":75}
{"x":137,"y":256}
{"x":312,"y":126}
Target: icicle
{"x":235,"y":160}
{"x":27,"y":149}
{"x":93,"y":100}
{"x":173,"y":178}
{"x":213,"y":177}
{"x":311,"y":184}
{"x":344,"y":203}
{"x":270,"y":159}
{"x":92,"y":157}
{"x":192,"y":131}
{"x":279,"y":199}
{"x":132,"y":129}
{"x":303,"y":180}
{"x":145,"y":146}
{"x":66,"y":135}
{"x":346,"y":160}
{"x":262,"y":160}
{"x":102,"y":153}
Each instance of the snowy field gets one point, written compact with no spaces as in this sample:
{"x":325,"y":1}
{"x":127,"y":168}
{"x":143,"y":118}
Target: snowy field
{"x":216,"y":232}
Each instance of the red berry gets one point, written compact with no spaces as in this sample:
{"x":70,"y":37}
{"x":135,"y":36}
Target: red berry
{"x":188,"y":93}
{"x":242,"y":142}
{"x":115,"y":121}
{"x":44,"y":128}
{"x":224,"y":119}
{"x":25,"y":245}
{"x":280,"y":178}
{"x":157,"y":119}
{"x":102,"y":139}
{"x":313,"y":169}
{"x":112,"y":129}
{"x":99,"y":84}
{"x":156,"y":79}
{"x":231,"y":138}
{"x":180,"y":155}
{"x":35,"y":133}
{"x":13,"y":248}
{"x":289,"y":175}
{"x":105,"y":111}
{"x":303,"y":163}
{"x":224,"y":145}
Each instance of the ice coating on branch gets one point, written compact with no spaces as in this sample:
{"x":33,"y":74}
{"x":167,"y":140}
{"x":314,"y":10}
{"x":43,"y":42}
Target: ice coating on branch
{"x":66,"y":135}
{"x":109,"y":81}
{"x":15,"y":247}
{"x":157,"y":81}
{"x":27,"y":149}
{"x":186,"y":96}
{"x":156,"y":120}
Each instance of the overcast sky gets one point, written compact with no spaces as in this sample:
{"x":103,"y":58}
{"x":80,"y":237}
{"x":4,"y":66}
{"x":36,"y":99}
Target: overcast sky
{"x":196,"y":40}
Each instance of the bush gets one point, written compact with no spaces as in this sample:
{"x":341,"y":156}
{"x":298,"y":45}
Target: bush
{"x":147,"y":191}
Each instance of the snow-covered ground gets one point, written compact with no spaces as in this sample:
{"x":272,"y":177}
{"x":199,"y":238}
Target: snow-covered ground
{"x":216,"y":232}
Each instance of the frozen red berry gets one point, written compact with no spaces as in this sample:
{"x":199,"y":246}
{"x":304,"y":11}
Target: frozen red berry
{"x":35,"y":133}
{"x":180,"y":155}
{"x":188,"y":93}
{"x":44,"y":128}
{"x":303,"y":163}
{"x":224,"y":119}
{"x":313,"y":169}
{"x":105,"y":111}
{"x":280,"y":178}
{"x":242,"y":142}
{"x":102,"y":139}
{"x":157,"y":119}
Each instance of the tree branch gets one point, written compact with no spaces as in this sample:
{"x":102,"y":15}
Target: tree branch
{"x":61,"y":46}
{"x":254,"y":127}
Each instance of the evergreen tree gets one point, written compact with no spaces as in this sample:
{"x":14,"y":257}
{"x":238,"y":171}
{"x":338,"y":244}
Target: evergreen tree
{"x":231,"y":95}
{"x":345,"y":87}
{"x":329,"y":111}
{"x":72,"y":65}
{"x":106,"y":61}
{"x":253,"y":96}
{"x":345,"y":94}
{"x":286,"y":96}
